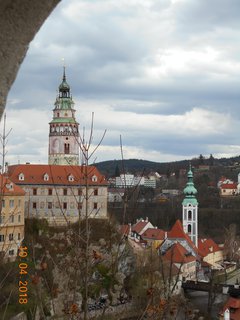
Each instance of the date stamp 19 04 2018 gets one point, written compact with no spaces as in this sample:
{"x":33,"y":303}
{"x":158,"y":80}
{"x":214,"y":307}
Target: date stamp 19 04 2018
{"x":23,"y":272}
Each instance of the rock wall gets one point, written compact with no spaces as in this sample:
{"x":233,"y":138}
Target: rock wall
{"x":19,"y":22}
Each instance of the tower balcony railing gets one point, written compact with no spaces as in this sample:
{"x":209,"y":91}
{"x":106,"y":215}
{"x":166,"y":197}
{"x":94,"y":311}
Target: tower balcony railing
{"x":63,"y":133}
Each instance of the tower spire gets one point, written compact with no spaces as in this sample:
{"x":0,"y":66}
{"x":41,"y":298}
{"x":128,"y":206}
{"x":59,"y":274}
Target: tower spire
{"x":64,"y":73}
{"x":190,"y":208}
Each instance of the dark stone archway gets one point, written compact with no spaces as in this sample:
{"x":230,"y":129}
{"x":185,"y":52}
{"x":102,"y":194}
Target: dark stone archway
{"x":20,"y":20}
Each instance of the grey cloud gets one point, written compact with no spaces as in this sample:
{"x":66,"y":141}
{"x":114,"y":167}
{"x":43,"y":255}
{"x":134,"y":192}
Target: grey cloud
{"x":107,"y":54}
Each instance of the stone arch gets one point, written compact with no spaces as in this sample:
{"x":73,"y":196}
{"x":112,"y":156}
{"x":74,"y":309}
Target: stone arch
{"x":19,"y":22}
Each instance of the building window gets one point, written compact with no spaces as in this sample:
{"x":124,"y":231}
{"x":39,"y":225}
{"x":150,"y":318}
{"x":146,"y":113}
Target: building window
{"x":66,"y":148}
{"x":10,"y":236}
{"x":21,"y":177}
{"x":65,"y":192}
{"x":96,"y":192}
{"x":19,"y":202}
{"x":49,"y":205}
{"x":64,"y":205}
{"x":11,"y":203}
{"x":2,"y":237}
{"x":19,"y":218}
{"x":19,"y":236}
{"x":46,"y":177}
{"x":189,"y":215}
{"x":34,"y":192}
{"x":70,"y":178}
{"x":79,"y":205}
{"x":49,"y":192}
{"x":57,"y":204}
{"x":80,"y":192}
{"x":11,"y":218}
{"x":2,"y":219}
{"x":34,"y":205}
{"x":94,"y":178}
{"x":11,"y":252}
{"x":189,"y":228}
{"x":95,"y":206}
{"x":3,"y":203}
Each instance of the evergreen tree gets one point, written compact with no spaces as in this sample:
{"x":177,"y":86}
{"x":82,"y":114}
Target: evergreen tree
{"x":117,"y":171}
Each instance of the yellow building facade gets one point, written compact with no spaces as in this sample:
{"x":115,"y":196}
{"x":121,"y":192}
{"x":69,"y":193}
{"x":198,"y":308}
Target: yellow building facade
{"x":11,"y":218}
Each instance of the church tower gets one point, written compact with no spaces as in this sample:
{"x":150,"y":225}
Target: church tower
{"x":63,"y":129}
{"x":190,"y":209}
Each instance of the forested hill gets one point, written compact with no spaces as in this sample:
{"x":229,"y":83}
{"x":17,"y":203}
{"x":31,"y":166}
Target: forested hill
{"x":115,"y":167}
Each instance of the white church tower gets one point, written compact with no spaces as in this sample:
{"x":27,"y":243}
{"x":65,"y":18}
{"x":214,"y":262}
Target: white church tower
{"x":63,"y":129}
{"x":190,"y":210}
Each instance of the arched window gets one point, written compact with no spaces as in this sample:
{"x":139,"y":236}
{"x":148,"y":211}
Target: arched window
{"x":66,"y":148}
{"x":46,"y":177}
{"x":70,"y":177}
{"x":94,"y":178}
{"x":189,"y":215}
{"x":21,"y":177}
{"x":189,"y":228}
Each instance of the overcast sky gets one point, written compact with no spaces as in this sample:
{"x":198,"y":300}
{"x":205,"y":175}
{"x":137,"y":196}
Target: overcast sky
{"x":163,"y":74}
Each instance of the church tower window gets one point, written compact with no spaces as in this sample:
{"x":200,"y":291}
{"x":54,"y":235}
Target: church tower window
{"x":66,"y":148}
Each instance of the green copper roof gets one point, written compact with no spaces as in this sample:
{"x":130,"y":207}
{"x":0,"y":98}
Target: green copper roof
{"x":190,"y":191}
{"x":64,"y":86}
{"x":63,"y":120}
{"x":64,"y":103}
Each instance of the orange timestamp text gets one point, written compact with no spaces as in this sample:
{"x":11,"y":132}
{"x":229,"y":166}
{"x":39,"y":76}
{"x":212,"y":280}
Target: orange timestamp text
{"x":23,"y":272}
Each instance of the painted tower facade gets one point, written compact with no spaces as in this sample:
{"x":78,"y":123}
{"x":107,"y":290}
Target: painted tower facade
{"x":190,"y":209}
{"x":63,"y":129}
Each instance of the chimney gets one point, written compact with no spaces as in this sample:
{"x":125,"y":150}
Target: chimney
{"x":146,"y":220}
{"x":165,"y":235}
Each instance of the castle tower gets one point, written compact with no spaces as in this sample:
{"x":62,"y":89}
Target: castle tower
{"x":63,"y":129}
{"x":190,"y":210}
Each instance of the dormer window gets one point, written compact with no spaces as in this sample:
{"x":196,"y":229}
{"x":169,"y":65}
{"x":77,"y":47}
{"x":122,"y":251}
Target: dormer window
{"x":70,"y":177}
{"x":21,"y":177}
{"x":9,"y":186}
{"x":94,"y":178}
{"x":46,"y":177}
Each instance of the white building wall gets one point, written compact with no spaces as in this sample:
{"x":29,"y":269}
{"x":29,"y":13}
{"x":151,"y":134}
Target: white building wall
{"x":190,"y":222}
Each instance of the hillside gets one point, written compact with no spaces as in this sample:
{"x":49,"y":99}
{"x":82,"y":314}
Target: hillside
{"x":110,"y":168}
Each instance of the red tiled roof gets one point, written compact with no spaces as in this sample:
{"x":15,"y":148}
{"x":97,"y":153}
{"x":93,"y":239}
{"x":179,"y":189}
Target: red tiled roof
{"x":8,"y":188}
{"x":153,"y":233}
{"x":229,"y":186}
{"x":177,"y":232}
{"x":125,"y":229}
{"x":235,"y":304}
{"x":178,"y":254}
{"x":58,"y":175}
{"x":207,"y":246}
{"x":138,"y":227}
